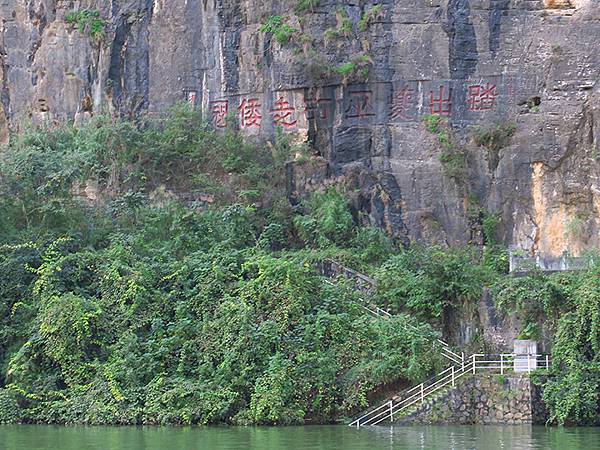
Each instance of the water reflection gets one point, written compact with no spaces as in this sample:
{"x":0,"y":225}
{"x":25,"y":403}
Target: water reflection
{"x":29,"y":437}
{"x":493,"y":437}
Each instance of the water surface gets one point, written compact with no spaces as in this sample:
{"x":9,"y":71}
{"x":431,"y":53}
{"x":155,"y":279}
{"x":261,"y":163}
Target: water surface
{"x":35,"y":437}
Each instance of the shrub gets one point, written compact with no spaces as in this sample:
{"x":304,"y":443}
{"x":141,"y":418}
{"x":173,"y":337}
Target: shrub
{"x":152,"y":307}
{"x":428,"y":281}
{"x":494,"y":137}
{"x":328,"y":220}
{"x":281,"y":31}
{"x":453,"y":157}
{"x":569,"y":305}
{"x":9,"y":409}
{"x":87,"y":21}
{"x":343,"y":27}
{"x":369,"y":17}
{"x":356,"y":70}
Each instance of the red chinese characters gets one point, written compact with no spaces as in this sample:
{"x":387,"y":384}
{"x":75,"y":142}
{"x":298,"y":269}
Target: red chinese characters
{"x":481,"y":98}
{"x":402,"y":104}
{"x":442,"y":104}
{"x":317,"y":108}
{"x":250,"y":113}
{"x":219,"y":110}
{"x":191,"y":97}
{"x":283,"y":113}
{"x":359,"y":105}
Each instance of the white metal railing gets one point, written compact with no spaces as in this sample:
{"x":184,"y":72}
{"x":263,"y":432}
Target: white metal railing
{"x":460,"y":366}
{"x":520,"y":262}
{"x":449,"y":377}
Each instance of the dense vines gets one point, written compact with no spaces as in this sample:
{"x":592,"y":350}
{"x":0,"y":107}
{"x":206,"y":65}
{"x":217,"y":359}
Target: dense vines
{"x":568,"y":304}
{"x":142,"y":308}
{"x":156,"y":274}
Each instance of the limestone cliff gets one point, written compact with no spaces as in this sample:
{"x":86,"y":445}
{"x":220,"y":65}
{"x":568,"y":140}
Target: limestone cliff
{"x":356,"y":78}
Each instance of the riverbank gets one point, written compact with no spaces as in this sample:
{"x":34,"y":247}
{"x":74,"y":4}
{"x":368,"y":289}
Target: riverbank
{"x":164,"y":275}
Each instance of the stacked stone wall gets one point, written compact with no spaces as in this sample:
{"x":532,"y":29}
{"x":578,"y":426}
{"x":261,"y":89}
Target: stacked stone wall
{"x":484,"y":399}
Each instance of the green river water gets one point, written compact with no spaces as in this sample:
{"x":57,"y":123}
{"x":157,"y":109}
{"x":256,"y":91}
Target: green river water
{"x":33,"y":437}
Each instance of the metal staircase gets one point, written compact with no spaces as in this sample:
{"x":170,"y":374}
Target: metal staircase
{"x":403,"y":402}
{"x":407,"y":400}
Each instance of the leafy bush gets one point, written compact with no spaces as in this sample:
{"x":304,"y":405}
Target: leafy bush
{"x":355,"y":70}
{"x":369,"y":17}
{"x":453,"y":157}
{"x":146,"y":306}
{"x":429,"y":281}
{"x":328,"y":220}
{"x":343,"y":27}
{"x":9,"y":409}
{"x":87,"y":20}
{"x":372,"y":245}
{"x":568,"y":304}
{"x":281,"y":31}
{"x":494,"y":137}
{"x":572,"y":392}
{"x":219,"y":337}
{"x":534,"y":297}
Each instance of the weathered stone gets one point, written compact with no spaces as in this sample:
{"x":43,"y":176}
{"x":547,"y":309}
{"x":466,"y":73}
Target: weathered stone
{"x":461,"y":405}
{"x":156,"y":53}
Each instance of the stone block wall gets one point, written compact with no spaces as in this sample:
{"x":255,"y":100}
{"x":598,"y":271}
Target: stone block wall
{"x":484,"y":399}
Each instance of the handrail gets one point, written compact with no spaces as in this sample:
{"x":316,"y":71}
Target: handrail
{"x":460,"y":365}
{"x":420,"y":392}
{"x":404,"y":392}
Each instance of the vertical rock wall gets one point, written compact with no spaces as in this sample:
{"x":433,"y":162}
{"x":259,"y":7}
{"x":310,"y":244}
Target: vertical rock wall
{"x":358,"y":94}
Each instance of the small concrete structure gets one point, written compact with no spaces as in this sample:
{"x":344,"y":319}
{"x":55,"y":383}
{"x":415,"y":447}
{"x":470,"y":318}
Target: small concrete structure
{"x":525,"y":351}
{"x":521,"y":263}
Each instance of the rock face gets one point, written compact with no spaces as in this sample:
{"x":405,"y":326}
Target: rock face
{"x":355,"y":78}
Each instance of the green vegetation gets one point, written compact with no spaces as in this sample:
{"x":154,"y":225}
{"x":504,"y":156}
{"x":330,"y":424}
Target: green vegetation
{"x":576,"y":225}
{"x":320,"y":67}
{"x":306,"y":5}
{"x":315,"y":67}
{"x":279,"y":29}
{"x":343,"y":28}
{"x":500,"y":379}
{"x":182,"y":289}
{"x":87,"y":21}
{"x":355,"y":70}
{"x":431,"y":282}
{"x":568,"y":305}
{"x":533,"y":104}
{"x":494,"y":137}
{"x":489,"y":226}
{"x":433,"y":123}
{"x":454,"y":161}
{"x":156,"y":274}
{"x":453,"y":156}
{"x":369,"y":17}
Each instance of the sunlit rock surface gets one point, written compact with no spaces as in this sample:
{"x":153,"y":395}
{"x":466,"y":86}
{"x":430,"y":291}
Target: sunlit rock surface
{"x":476,"y":62}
